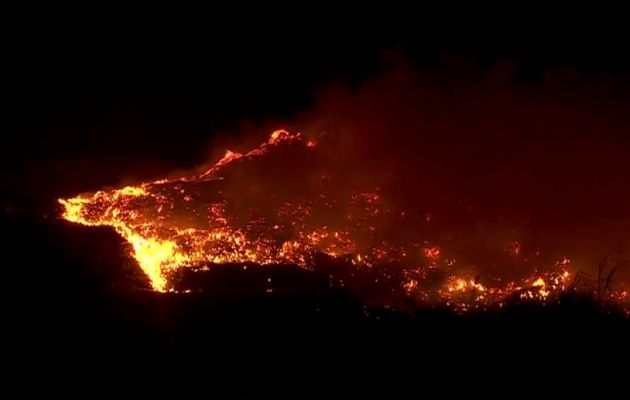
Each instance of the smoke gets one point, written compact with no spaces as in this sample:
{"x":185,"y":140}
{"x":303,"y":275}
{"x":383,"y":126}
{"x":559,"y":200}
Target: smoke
{"x":485,"y":152}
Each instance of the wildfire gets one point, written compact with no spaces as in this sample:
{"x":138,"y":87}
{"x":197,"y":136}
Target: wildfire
{"x":149,"y":217}
{"x":256,"y":207}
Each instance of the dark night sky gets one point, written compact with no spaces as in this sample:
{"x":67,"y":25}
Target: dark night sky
{"x":83,"y":85}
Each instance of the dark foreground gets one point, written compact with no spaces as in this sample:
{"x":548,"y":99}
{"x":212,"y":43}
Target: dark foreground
{"x":73,"y":327}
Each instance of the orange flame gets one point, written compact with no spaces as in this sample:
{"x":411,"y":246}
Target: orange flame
{"x":172,"y":224}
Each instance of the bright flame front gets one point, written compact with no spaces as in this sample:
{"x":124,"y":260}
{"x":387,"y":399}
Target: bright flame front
{"x":280,"y":204}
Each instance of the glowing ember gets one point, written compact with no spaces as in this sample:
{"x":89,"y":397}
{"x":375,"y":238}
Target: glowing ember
{"x":286,"y":201}
{"x":432,"y":252}
{"x":516,"y":248}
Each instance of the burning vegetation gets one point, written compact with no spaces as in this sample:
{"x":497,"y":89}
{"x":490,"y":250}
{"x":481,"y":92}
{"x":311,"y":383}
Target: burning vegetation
{"x":291,"y":200}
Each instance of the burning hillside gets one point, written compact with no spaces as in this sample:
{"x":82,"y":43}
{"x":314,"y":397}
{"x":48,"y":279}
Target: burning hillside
{"x":289,"y":200}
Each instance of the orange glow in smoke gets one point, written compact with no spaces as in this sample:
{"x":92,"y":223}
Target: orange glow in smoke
{"x":197,"y":220}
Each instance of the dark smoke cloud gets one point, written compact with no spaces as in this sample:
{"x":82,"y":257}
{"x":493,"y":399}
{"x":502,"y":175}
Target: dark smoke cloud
{"x":543,"y":161}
